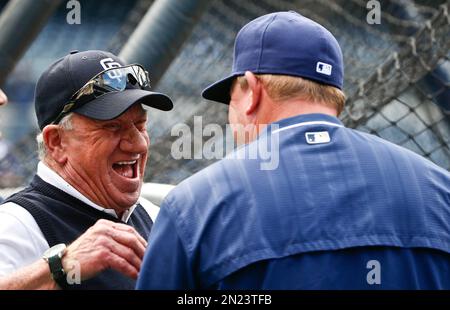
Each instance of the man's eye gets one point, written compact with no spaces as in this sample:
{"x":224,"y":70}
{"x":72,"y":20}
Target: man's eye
{"x":141,"y":126}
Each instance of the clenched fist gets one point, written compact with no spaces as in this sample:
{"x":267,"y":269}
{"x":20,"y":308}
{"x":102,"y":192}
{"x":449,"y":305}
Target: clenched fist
{"x":106,"y":245}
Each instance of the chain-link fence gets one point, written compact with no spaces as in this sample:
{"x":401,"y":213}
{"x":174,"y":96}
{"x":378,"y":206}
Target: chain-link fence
{"x":406,"y":97}
{"x":397,"y":75}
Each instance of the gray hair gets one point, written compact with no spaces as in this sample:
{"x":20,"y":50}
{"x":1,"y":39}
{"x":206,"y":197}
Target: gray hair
{"x":65,"y":123}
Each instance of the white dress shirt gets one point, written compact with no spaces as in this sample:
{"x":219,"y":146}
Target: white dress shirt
{"x":22,"y":241}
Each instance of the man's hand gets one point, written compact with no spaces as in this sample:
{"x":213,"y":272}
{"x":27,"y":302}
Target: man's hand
{"x":3,"y":98}
{"x":106,"y":245}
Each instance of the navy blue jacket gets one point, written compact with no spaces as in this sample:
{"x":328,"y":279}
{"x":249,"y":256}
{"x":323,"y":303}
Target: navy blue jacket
{"x":343,"y":210}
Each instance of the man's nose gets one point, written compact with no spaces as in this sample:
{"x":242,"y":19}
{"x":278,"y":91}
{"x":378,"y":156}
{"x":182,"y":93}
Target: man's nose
{"x":134,"y":141}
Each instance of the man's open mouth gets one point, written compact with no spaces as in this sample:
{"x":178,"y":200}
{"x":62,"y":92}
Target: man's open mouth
{"x":127,"y":169}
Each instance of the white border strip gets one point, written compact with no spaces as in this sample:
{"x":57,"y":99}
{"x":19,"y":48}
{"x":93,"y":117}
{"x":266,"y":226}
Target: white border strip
{"x":307,"y":124}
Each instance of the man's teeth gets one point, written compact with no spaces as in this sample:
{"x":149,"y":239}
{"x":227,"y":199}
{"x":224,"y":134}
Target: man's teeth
{"x":125,"y":168}
{"x":126,"y":162}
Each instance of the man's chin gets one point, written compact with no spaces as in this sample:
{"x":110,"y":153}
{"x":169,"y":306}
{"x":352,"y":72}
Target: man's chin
{"x":126,"y":200}
{"x":125,"y":194}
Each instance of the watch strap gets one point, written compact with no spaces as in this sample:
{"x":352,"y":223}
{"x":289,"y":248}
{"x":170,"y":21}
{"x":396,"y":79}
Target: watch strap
{"x":57,"y":270}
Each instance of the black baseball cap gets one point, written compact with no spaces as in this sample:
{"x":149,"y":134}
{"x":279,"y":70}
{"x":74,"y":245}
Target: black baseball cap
{"x":66,"y":76}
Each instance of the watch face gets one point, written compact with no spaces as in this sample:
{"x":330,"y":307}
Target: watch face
{"x":55,"y":250}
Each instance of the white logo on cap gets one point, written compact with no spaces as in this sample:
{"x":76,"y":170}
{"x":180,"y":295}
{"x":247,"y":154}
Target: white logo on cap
{"x":324,"y":68}
{"x":109,"y":63}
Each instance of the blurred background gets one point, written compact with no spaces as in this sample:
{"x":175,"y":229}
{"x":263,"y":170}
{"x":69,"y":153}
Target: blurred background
{"x":397,"y":72}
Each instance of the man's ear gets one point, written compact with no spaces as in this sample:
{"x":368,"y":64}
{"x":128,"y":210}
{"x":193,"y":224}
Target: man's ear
{"x":52,"y":135}
{"x":255,"y":87}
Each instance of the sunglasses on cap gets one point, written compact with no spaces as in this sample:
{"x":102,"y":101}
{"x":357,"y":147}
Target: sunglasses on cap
{"x":107,"y":81}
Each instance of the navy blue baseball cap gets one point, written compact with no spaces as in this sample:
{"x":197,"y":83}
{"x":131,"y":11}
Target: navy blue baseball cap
{"x":66,"y":76}
{"x":284,"y":43}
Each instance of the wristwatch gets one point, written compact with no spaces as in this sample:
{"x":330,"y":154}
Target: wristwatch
{"x":53,"y":257}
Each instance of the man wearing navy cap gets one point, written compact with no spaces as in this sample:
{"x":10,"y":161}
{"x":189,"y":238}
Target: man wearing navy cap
{"x":81,"y":224}
{"x":342,"y":210}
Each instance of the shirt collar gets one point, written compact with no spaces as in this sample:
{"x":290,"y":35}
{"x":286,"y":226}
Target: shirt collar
{"x":51,"y":177}
{"x":302,"y":120}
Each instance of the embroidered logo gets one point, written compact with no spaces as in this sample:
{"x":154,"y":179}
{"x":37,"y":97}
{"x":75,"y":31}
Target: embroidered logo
{"x":324,"y":68}
{"x":320,"y":137}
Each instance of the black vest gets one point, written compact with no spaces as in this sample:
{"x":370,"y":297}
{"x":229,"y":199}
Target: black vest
{"x":63,"y":218}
